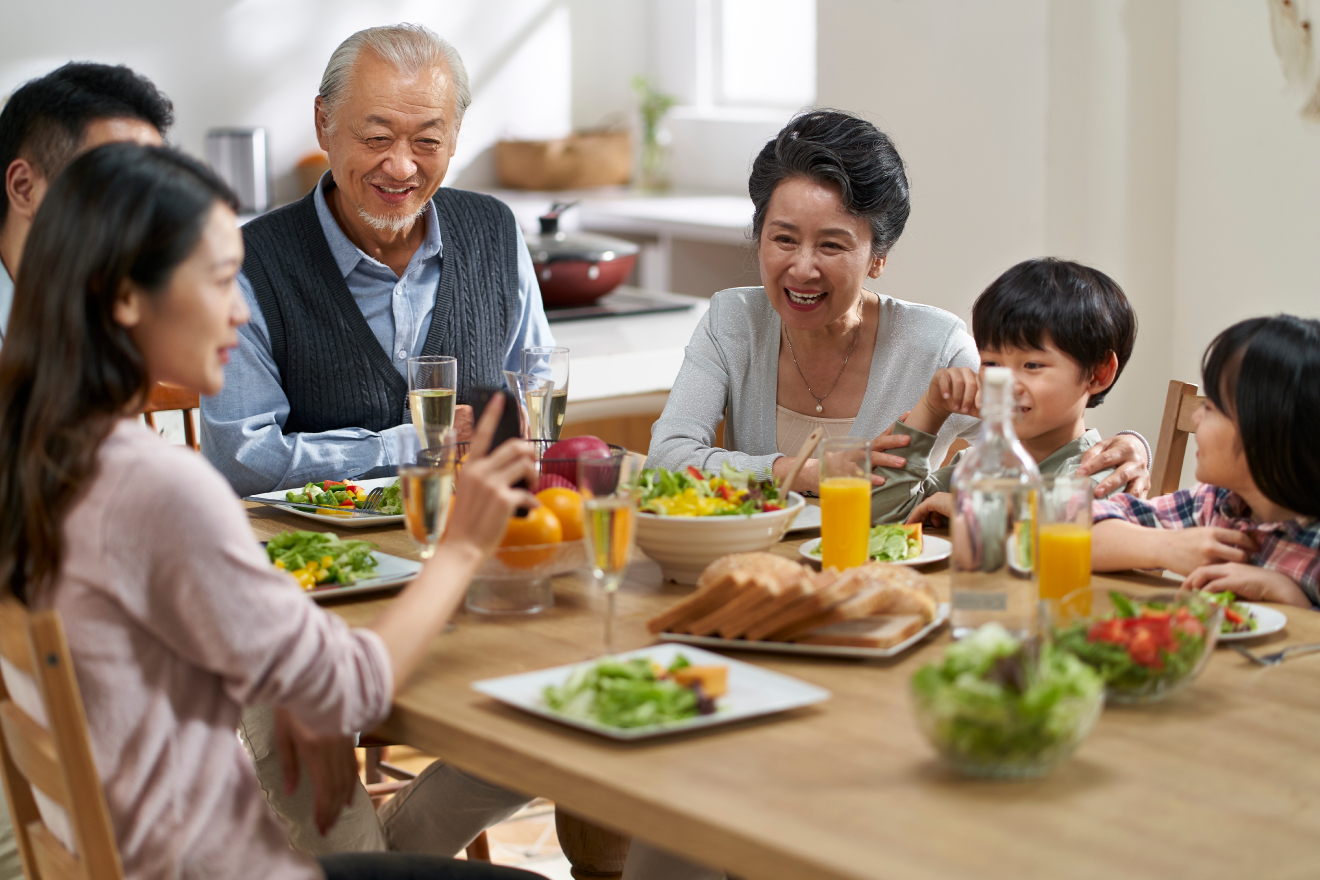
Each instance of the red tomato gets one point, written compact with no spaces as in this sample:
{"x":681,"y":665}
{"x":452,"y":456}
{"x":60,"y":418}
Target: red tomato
{"x":1145,"y":649}
{"x":1111,"y":631}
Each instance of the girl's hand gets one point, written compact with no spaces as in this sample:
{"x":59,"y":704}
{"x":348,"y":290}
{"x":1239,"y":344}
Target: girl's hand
{"x":1127,"y":455}
{"x":484,"y":497}
{"x":935,"y":511}
{"x":1185,"y":550}
{"x":1248,"y":582}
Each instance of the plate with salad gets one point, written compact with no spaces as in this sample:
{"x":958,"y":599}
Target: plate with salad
{"x":1245,"y":620}
{"x":654,"y":691}
{"x":899,"y":544}
{"x":330,"y":567}
{"x":339,"y":500}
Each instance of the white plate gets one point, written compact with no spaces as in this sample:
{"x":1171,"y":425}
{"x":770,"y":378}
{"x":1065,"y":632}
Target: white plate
{"x":1268,"y":621}
{"x":333,"y":519}
{"x":807,"y":518}
{"x":391,"y":571}
{"x":933,"y":549}
{"x":752,"y":692}
{"x":815,"y":650}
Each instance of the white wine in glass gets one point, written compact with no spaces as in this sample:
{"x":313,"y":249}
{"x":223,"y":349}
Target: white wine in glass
{"x":550,"y":363}
{"x":426,"y":491}
{"x":432,"y":414}
{"x":609,"y":500}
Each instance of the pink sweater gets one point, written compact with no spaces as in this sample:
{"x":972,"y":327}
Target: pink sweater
{"x":176,"y":621}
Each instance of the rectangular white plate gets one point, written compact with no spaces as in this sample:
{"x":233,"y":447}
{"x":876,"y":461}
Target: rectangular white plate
{"x":333,"y":519}
{"x":391,"y":571}
{"x":752,"y":692}
{"x":812,"y":650}
{"x":807,"y":518}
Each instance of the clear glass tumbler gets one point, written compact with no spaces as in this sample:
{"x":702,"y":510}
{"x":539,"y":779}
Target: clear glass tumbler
{"x":845,"y":502}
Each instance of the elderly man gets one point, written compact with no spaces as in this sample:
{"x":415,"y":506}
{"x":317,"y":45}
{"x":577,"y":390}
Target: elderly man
{"x":376,"y":265}
{"x":50,"y":121}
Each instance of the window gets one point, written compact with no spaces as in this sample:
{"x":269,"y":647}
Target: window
{"x":765,"y":52}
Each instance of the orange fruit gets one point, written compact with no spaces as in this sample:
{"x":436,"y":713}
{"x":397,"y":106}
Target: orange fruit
{"x":566,"y":505}
{"x":539,"y":526}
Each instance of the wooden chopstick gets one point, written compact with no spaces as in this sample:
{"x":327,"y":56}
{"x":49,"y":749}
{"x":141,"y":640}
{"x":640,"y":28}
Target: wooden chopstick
{"x":804,"y":452}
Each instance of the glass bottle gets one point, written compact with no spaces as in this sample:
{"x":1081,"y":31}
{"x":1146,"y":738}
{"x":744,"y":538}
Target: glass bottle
{"x":995,"y":490}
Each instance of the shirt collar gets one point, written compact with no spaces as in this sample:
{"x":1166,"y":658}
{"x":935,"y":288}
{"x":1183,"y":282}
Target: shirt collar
{"x":6,"y":299}
{"x":347,"y":255}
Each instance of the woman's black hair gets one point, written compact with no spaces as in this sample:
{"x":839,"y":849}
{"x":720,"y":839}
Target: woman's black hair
{"x":120,"y":214}
{"x":1264,"y":374}
{"x":837,"y":149}
{"x":1082,"y":310}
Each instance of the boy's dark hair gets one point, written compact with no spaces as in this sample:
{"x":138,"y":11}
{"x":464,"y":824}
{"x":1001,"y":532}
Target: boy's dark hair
{"x":1264,"y":374}
{"x":1081,"y":310}
{"x":45,"y":120}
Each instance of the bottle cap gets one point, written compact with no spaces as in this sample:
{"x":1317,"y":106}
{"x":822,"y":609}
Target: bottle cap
{"x":997,"y":377}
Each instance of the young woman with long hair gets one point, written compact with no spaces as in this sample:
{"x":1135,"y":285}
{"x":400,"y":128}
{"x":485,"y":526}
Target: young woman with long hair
{"x":175,"y":618}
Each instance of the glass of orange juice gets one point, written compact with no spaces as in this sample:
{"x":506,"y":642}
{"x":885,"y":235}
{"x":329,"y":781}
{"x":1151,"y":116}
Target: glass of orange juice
{"x":845,"y":502}
{"x":1063,"y":520}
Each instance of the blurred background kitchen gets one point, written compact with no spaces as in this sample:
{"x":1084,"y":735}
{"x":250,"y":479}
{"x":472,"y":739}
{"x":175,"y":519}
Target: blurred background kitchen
{"x":1161,"y":141}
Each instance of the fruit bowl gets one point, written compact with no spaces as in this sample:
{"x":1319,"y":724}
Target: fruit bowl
{"x":685,"y":545}
{"x":1145,"y":646}
{"x":517,"y":580}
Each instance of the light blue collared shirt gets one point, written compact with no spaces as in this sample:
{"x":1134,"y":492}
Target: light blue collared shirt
{"x":7,"y":300}
{"x":243,"y":426}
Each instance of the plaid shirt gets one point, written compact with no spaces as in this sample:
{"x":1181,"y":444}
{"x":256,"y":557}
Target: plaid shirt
{"x":1291,"y":547}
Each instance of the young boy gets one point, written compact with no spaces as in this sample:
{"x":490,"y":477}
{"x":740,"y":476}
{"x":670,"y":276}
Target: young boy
{"x":1066,"y":331}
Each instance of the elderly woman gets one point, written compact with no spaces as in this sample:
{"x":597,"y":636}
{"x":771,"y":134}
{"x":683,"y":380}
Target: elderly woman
{"x":813,"y":347}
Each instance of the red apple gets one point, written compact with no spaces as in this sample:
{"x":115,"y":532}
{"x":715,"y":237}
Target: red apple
{"x":554,"y":481}
{"x":560,"y":459}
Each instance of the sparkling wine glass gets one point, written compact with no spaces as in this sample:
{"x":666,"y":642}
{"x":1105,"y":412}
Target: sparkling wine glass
{"x":426,"y":488}
{"x":432,"y":394}
{"x":533,"y":394}
{"x":550,"y":363}
{"x":609,"y":498}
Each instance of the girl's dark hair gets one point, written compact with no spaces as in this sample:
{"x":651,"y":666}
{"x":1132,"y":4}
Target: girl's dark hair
{"x":120,"y":213}
{"x":1082,"y":310}
{"x":837,"y":149}
{"x":1264,"y":373}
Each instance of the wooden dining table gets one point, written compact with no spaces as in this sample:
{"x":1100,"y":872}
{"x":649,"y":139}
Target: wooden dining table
{"x":1221,"y":780}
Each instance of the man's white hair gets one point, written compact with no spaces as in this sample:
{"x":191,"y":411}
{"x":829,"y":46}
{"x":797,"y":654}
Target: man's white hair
{"x":408,"y":48}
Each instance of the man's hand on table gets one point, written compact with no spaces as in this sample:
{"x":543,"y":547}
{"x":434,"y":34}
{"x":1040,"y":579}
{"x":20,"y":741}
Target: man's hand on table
{"x":464,"y":423}
{"x":330,"y":763}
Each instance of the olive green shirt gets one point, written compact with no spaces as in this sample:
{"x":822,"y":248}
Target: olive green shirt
{"x":908,"y":486}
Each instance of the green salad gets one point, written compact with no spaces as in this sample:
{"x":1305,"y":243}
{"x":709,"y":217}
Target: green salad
{"x":1237,"y":615}
{"x":693,"y":492}
{"x":629,"y":693}
{"x":889,"y":543}
{"x":319,"y":558}
{"x":994,"y":700}
{"x":334,"y":496}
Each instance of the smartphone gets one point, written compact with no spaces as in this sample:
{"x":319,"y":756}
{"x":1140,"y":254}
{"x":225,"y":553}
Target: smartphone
{"x":508,"y":427}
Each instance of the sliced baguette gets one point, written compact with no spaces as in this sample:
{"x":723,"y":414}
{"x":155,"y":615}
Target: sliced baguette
{"x":789,"y":594}
{"x":866,"y":632}
{"x":705,"y":600}
{"x":831,"y":588}
{"x":889,"y":589}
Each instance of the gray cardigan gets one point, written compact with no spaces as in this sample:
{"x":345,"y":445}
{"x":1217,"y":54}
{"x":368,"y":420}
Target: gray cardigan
{"x":731,"y":364}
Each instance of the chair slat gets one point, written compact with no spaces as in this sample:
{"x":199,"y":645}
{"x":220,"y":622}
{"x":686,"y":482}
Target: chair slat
{"x":1187,"y":407}
{"x":33,"y":752}
{"x":54,"y":862}
{"x":1179,"y":405}
{"x":165,"y":397}
{"x":13,"y":634}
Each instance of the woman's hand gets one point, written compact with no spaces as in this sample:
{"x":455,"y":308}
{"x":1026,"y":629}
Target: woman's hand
{"x":1247,"y":582}
{"x":935,"y":511}
{"x":484,"y":497}
{"x":1185,"y":550}
{"x":330,"y":762}
{"x":1127,"y":455}
{"x":808,"y":479}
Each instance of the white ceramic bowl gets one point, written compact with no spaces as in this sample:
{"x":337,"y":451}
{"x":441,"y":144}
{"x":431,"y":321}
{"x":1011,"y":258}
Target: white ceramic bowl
{"x":685,"y":545}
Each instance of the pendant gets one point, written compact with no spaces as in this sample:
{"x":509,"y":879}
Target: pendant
{"x":820,"y":408}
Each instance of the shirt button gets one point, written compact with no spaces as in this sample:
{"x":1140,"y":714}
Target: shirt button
{"x":402,"y":354}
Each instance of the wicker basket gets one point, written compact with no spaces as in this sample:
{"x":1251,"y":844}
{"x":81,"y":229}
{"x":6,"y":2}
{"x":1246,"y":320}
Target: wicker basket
{"x":602,"y":158}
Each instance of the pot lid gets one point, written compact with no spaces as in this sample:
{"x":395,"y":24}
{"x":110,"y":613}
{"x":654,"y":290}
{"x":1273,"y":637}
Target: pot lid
{"x":554,"y":244}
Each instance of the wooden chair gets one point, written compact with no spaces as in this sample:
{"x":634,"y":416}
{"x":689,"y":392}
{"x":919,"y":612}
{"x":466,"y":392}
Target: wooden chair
{"x":1179,"y":407}
{"x":55,"y":760}
{"x":169,"y":397}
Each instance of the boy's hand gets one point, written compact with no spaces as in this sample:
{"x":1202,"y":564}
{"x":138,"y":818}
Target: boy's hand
{"x":1248,"y":582}
{"x":1185,"y":550}
{"x":935,"y":511}
{"x":952,"y":390}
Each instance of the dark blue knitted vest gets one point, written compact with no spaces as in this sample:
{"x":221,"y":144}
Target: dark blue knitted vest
{"x":334,"y":372}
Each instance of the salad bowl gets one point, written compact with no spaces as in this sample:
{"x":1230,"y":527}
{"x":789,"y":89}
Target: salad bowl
{"x":1145,"y":647}
{"x":685,"y":545}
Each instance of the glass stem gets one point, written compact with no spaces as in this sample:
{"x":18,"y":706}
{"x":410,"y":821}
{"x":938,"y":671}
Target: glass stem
{"x":609,"y":623}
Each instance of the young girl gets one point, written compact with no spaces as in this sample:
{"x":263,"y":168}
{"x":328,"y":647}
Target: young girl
{"x":1251,"y":524}
{"x":175,"y":617}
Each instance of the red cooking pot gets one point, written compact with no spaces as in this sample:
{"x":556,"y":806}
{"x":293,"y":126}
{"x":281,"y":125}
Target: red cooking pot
{"x":579,"y":267}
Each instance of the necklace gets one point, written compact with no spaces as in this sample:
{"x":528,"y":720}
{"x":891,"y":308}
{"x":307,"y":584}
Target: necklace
{"x":820,"y":400}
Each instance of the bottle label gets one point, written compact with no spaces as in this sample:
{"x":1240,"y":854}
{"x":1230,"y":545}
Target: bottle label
{"x":976,"y":600}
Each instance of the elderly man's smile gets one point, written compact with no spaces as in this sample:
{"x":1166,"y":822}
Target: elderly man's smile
{"x":395,"y":194}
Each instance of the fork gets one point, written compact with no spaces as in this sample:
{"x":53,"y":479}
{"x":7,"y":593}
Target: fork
{"x":1277,"y":657}
{"x":373,"y":499}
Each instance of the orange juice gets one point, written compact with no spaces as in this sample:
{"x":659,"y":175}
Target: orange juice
{"x":845,"y":521}
{"x":1065,"y":559}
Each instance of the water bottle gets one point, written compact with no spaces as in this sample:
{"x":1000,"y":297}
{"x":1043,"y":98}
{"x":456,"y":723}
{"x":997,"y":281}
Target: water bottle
{"x":995,"y":490}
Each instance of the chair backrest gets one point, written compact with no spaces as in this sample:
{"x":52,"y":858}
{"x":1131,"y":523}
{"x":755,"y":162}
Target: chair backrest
{"x":56,"y":760}
{"x":1179,"y":407}
{"x":169,"y":397}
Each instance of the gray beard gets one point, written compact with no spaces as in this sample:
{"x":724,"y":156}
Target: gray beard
{"x":395,"y":223}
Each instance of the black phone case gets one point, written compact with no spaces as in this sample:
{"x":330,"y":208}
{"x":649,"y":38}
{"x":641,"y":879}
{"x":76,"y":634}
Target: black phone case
{"x":509,"y":424}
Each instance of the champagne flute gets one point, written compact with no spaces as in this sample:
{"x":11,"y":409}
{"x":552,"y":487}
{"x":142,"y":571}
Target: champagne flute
{"x":426,"y":488}
{"x":609,"y":498}
{"x":550,"y":363}
{"x":432,"y":394}
{"x":533,"y":394}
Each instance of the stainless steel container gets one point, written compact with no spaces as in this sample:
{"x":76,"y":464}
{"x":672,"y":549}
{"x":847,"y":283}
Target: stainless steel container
{"x":240,"y":157}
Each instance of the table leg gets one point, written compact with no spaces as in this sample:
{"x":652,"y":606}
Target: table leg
{"x":594,"y":853}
